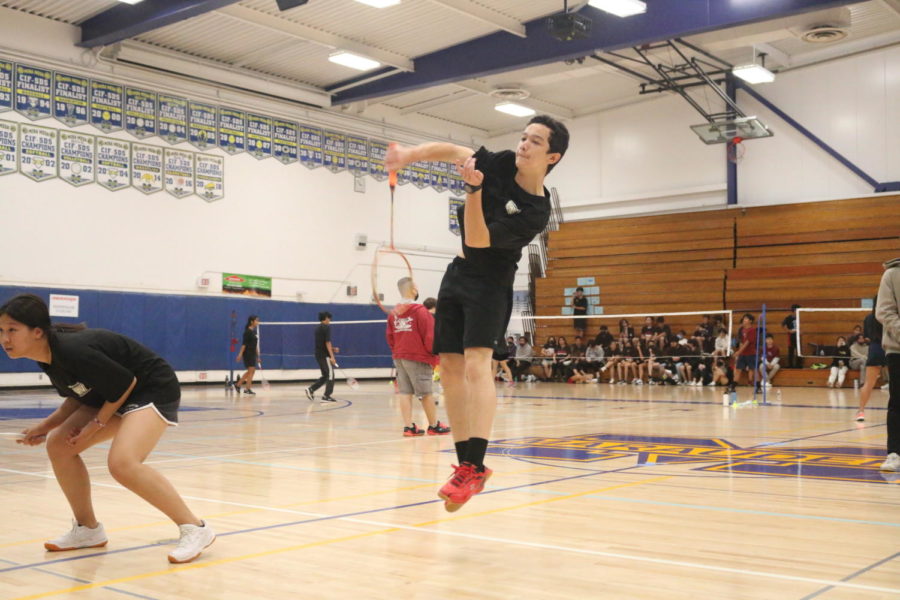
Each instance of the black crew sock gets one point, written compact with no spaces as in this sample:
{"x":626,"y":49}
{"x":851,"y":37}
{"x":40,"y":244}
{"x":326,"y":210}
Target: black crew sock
{"x":461,"y":449}
{"x":476,"y":452}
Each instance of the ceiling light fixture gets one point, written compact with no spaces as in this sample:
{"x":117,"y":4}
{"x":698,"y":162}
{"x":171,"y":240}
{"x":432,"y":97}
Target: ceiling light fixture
{"x":380,"y":3}
{"x":516,"y":110}
{"x":620,"y":8}
{"x":130,"y":1}
{"x":754,"y":73}
{"x":354,"y":61}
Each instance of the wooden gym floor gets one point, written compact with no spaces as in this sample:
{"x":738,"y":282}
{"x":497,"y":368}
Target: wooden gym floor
{"x":599,"y":491}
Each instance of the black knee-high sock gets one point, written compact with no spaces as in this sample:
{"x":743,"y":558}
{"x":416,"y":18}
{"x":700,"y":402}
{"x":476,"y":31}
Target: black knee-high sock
{"x":461,"y":449}
{"x":476,"y":452}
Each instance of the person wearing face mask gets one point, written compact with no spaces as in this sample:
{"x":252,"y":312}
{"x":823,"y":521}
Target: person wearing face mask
{"x":840,"y":363}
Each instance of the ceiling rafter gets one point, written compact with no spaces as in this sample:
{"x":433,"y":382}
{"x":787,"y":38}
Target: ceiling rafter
{"x":315,"y":36}
{"x":478,"y":11}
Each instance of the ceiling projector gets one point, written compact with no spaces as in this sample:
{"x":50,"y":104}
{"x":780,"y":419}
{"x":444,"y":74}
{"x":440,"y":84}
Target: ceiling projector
{"x":569,"y":26}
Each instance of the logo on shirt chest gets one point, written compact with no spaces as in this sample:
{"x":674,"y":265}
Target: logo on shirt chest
{"x":512,"y":208}
{"x":80,"y":389}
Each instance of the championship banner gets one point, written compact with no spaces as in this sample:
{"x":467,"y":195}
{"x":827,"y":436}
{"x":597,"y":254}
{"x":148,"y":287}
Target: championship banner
{"x":259,"y":136}
{"x":440,"y":175}
{"x":6,"y":85}
{"x":232,"y":134}
{"x":113,"y":170}
{"x":454,"y":205}
{"x":404,"y":175}
{"x":33,"y":89}
{"x":202,"y":125}
{"x":107,"y":101}
{"x":247,"y":285}
{"x":456,"y":183}
{"x":311,"y":155}
{"x":377,"y":151}
{"x":38,"y":152}
{"x":209,"y":180}
{"x":421,"y":174}
{"x":178,"y":178}
{"x":140,"y":112}
{"x":335,"y":151}
{"x":77,"y":152}
{"x":9,"y":147}
{"x":70,"y":99}
{"x":173,"y":119}
{"x":357,"y":155}
{"x":285,"y":135}
{"x":146,"y":168}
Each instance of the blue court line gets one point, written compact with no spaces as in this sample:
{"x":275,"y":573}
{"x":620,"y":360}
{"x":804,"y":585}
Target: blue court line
{"x":303,"y":521}
{"x":853,"y":575}
{"x":701,"y":402}
{"x":818,"y":435}
{"x":79,"y":580}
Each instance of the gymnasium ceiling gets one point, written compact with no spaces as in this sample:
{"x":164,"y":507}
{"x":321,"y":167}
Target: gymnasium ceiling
{"x":445,"y":57}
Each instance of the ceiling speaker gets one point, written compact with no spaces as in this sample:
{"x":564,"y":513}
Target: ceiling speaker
{"x":289,"y":4}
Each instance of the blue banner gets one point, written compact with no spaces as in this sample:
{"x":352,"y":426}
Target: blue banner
{"x":454,"y":205}
{"x":311,"y":142}
{"x":232,"y":134}
{"x":285,"y":136}
{"x":107,"y":100}
{"x":259,"y":136}
{"x":357,"y":155}
{"x":377,"y":150}
{"x":140,"y":112}
{"x":202,"y":123}
{"x":335,"y":151}
{"x":33,"y":89}
{"x":421,"y":174}
{"x":440,"y":176}
{"x":173,"y":119}
{"x":6,"y":85}
{"x":70,"y":99}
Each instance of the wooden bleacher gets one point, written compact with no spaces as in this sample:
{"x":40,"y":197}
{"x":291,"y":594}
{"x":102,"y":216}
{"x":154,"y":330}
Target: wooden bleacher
{"x":818,"y":254}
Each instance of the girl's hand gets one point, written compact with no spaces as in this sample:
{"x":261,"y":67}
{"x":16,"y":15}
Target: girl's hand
{"x":397,"y":157}
{"x":33,"y":436}
{"x":468,"y":172}
{"x":79,"y":436}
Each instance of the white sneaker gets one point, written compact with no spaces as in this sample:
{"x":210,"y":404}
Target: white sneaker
{"x":611,"y":381}
{"x":891,"y":463}
{"x":192,"y":542}
{"x":886,"y":387}
{"x":78,"y":537}
{"x":768,"y":385}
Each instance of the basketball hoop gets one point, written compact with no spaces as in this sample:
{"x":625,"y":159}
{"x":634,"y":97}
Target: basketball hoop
{"x":735,"y":149}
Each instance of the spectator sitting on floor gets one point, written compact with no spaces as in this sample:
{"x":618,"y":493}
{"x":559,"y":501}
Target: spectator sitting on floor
{"x":663,"y":331}
{"x":511,"y":346}
{"x":649,"y":327}
{"x":857,"y":333}
{"x":626,"y":331}
{"x":563,"y":363}
{"x":524,"y":354}
{"x":721,"y":348}
{"x":769,"y":361}
{"x":593,"y":356}
{"x":840,"y":363}
{"x":615,"y":356}
{"x":627,"y":367}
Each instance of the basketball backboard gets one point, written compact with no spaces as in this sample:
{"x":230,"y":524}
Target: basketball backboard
{"x":722,"y":132}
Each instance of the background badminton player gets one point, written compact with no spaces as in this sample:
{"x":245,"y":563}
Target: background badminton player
{"x":506,"y":206}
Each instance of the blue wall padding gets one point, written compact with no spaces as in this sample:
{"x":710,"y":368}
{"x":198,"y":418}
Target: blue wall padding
{"x":193,"y":332}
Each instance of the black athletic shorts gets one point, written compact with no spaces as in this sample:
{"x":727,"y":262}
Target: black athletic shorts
{"x":164,"y":398}
{"x":250,"y":362}
{"x":473,"y":308}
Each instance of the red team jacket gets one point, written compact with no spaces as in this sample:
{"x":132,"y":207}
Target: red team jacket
{"x":410,"y":333}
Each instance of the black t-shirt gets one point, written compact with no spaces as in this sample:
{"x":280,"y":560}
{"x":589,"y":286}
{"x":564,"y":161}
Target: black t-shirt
{"x":323,"y":334}
{"x":250,"y":343}
{"x":96,"y":366}
{"x":512,"y":215}
{"x":789,"y":322}
{"x":579,"y":305}
{"x":872,"y":328}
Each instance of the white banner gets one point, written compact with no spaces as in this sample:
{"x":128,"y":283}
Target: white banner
{"x":77,"y":152}
{"x":146,"y":168}
{"x":37,"y":152}
{"x":9,"y":147}
{"x":113,"y":170}
{"x":209,"y":182}
{"x":179,"y":172}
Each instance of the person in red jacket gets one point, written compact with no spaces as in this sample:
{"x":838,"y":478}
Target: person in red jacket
{"x":410,"y":334}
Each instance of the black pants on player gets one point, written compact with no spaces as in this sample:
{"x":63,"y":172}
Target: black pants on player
{"x":893,"y":412}
{"x":327,"y":378}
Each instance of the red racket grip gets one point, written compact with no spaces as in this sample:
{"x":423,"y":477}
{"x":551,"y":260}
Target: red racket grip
{"x":392,"y":179}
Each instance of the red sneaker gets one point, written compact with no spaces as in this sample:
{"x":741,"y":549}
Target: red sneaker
{"x":413,"y":431}
{"x":465,"y":483}
{"x":438,"y":429}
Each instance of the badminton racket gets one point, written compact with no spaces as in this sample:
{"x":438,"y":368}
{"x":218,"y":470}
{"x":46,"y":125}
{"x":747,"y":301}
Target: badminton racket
{"x":265,"y":382}
{"x":351,"y":381}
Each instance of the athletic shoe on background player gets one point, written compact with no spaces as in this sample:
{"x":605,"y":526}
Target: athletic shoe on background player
{"x":78,"y":537}
{"x":328,"y":399}
{"x":309,"y":394}
{"x":891,"y":463}
{"x":861,"y":416}
{"x":437,"y":429}
{"x":192,"y":542}
{"x":413,"y":431}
